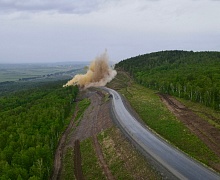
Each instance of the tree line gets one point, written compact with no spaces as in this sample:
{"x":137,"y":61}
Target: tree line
{"x":31,"y":122}
{"x":186,"y":74}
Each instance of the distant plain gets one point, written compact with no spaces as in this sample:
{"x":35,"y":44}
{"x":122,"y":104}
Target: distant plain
{"x":16,"y":72}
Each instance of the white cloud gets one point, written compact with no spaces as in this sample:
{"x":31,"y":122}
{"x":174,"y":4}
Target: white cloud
{"x":64,"y":6}
{"x":79,"y":30}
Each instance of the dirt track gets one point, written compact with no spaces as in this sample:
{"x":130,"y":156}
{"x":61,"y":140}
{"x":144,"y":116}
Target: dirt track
{"x":209,"y":134}
{"x":60,"y":148}
{"x":78,"y":161}
{"x":96,"y":118}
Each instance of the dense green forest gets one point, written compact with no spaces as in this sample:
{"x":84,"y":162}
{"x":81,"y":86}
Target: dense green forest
{"x":32,"y":119}
{"x":186,"y":74}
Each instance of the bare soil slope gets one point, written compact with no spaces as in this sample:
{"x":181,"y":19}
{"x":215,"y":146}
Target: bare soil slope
{"x":208,"y":133}
{"x":97,"y":118}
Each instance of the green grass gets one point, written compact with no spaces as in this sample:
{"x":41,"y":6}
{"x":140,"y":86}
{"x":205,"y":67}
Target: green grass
{"x":159,"y":119}
{"x":113,"y":158}
{"x":123,"y":161}
{"x":14,"y":72}
{"x":148,"y":105}
{"x":90,"y":165}
{"x":68,"y":165}
{"x":82,"y":106}
{"x":68,"y":161}
{"x":202,"y":110}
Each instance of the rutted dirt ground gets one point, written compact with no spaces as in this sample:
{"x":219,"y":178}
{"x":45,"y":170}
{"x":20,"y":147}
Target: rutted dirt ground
{"x":60,"y":149}
{"x":208,"y":133}
{"x":97,"y":118}
{"x":92,"y":122}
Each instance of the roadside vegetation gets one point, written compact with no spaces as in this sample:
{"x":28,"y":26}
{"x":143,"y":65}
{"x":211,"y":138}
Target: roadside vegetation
{"x":157,"y":117}
{"x":207,"y":113}
{"x":90,"y":165}
{"x":82,"y":106}
{"x":68,"y":165}
{"x":68,"y":157}
{"x":123,"y":160}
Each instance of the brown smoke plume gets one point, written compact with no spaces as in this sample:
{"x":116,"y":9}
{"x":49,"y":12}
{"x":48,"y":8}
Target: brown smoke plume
{"x":98,"y":74}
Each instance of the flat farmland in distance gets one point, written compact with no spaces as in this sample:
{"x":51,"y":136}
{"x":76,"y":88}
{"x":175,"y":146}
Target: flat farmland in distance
{"x":16,"y":72}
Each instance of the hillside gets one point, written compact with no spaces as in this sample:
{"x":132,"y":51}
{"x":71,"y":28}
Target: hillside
{"x":31,"y":122}
{"x":190,"y":75}
{"x":34,"y":128}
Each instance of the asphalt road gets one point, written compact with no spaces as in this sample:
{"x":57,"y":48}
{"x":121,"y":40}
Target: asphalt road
{"x":177,"y":163}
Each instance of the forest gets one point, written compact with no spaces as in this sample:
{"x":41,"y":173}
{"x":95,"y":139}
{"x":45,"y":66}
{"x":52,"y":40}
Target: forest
{"x":32,"y":118}
{"x":190,"y":75}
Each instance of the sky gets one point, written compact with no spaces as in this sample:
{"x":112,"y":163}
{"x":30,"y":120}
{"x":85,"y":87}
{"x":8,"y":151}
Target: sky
{"x":79,"y":30}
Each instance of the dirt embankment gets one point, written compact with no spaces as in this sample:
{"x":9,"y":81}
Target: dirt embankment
{"x":208,"y":133}
{"x":60,"y":148}
{"x":96,"y":118}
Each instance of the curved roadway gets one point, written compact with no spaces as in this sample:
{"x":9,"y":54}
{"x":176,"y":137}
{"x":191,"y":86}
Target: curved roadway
{"x":177,"y":163}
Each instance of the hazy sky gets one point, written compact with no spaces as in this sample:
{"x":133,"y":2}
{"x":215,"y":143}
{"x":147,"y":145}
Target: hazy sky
{"x":79,"y":30}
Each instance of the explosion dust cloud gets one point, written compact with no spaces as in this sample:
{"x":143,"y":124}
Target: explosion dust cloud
{"x":99,"y":73}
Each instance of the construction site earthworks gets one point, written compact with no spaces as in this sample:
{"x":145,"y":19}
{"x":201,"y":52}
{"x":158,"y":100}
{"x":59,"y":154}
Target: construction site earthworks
{"x":93,"y":146}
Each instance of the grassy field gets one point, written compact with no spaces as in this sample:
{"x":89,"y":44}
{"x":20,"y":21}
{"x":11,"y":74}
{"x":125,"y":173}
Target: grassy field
{"x":202,"y":111}
{"x":68,"y":165}
{"x":14,"y":72}
{"x":68,"y":160}
{"x":82,"y":106}
{"x":156,"y":116}
{"x":90,"y":165}
{"x":123,"y":160}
